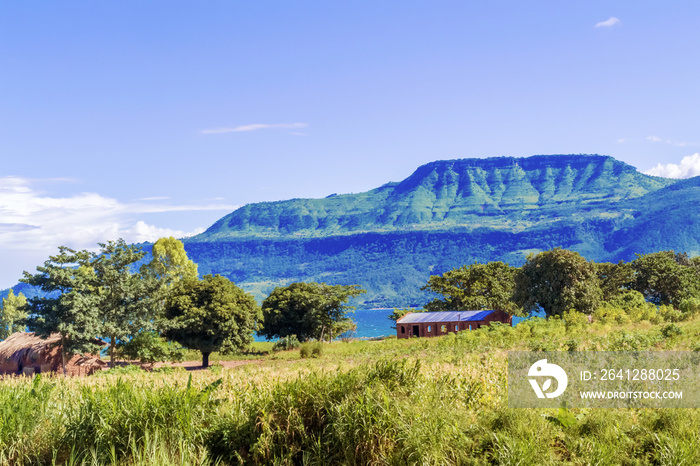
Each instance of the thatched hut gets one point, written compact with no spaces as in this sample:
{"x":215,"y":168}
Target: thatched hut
{"x":26,"y":353}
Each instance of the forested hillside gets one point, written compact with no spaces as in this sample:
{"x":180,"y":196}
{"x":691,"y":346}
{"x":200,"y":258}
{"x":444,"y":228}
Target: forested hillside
{"x":503,"y":192}
{"x":389,"y":240}
{"x":449,"y":213}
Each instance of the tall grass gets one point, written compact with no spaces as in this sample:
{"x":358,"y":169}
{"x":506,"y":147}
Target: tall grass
{"x":421,"y":401}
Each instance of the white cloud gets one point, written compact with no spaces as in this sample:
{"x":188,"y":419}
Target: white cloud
{"x":33,"y":224}
{"x":689,"y":167}
{"x":672,"y":142}
{"x":253,"y":127}
{"x":622,"y":140}
{"x":610,"y":22}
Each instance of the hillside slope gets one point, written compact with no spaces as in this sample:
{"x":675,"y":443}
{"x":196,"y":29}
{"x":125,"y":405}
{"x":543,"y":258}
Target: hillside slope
{"x":449,"y":213}
{"x":504,"y":192}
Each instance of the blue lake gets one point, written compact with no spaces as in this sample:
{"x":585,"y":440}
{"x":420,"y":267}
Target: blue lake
{"x":373,"y":323}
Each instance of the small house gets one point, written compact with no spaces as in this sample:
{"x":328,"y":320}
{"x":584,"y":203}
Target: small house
{"x":26,"y":353}
{"x":434,"y":324}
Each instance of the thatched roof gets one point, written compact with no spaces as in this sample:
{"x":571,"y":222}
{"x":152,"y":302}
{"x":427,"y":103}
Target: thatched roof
{"x":22,"y":345}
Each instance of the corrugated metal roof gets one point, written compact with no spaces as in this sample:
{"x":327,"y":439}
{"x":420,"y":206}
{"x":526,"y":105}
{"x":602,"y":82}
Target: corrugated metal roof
{"x":453,"y":316}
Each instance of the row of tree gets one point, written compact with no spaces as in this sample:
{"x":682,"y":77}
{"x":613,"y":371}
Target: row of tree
{"x":560,"y":280}
{"x":139,"y":306}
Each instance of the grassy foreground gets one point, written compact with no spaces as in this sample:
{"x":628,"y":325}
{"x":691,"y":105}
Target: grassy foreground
{"x":422,"y":401}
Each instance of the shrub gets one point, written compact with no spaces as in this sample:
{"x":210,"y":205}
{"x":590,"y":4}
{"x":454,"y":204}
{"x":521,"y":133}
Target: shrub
{"x":286,"y":343}
{"x":149,"y":347}
{"x":690,"y":306}
{"x":671,"y":330}
{"x":621,"y":340}
{"x":608,"y":314}
{"x":646,"y":312}
{"x":669,"y":314}
{"x":311,"y":349}
{"x":629,"y":299}
{"x":574,"y":320}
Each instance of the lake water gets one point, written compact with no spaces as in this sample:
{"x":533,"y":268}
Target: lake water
{"x":373,"y":323}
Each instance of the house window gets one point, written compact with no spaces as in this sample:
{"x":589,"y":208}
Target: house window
{"x":429,"y":328}
{"x":457,"y":328}
{"x":470,"y":327}
{"x":443,"y":328}
{"x":403,"y":329}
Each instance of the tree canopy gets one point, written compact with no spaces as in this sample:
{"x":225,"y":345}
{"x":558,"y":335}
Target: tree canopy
{"x":666,"y":277}
{"x":308,"y":310}
{"x":12,"y":314}
{"x":123,"y":295}
{"x":474,"y":287}
{"x":557,"y":280}
{"x":69,"y":303}
{"x":169,"y":262}
{"x":209,"y":315}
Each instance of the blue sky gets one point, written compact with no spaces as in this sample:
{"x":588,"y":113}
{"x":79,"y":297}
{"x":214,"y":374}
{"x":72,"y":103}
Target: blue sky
{"x":141,"y":119}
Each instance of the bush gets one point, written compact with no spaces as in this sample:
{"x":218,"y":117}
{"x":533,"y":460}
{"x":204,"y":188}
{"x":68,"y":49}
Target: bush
{"x":608,"y":314}
{"x":628,"y":300}
{"x":621,"y":340}
{"x":286,"y":343}
{"x":574,"y":320}
{"x":311,"y":349}
{"x":671,"y":330}
{"x":669,"y":314}
{"x":149,"y":347}
{"x":690,"y":306}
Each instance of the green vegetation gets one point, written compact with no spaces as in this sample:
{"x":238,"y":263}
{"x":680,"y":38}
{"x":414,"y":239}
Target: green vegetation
{"x":308,"y":310}
{"x":561,"y":282}
{"x":211,"y":314}
{"x":148,"y":347}
{"x":12,"y":314}
{"x":556,"y":281}
{"x":478,"y":286}
{"x":447,"y":214}
{"x":436,"y":401}
{"x":68,"y":306}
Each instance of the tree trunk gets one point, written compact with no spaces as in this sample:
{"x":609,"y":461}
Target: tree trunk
{"x":205,"y":359}
{"x":323,"y":329}
{"x":111,"y":352}
{"x":63,"y":356}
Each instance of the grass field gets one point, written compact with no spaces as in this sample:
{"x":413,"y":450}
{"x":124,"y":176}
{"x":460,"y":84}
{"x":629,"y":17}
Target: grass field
{"x":421,"y":401}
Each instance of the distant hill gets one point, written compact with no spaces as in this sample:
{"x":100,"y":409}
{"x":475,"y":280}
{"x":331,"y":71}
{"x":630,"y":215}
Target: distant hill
{"x":446,"y":214}
{"x":503,"y":192}
{"x":449,"y":213}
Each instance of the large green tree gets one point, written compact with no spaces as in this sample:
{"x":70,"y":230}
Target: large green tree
{"x":557,"y":280}
{"x":69,"y":304}
{"x":169,"y":265}
{"x":12,"y":314}
{"x":169,"y":262}
{"x":209,"y":315}
{"x":666,"y":277}
{"x":474,"y":287}
{"x":308,"y":310}
{"x":614,"y":279}
{"x":124,"y":295}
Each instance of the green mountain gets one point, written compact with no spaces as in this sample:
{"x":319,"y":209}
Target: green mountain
{"x":503,"y":193}
{"x":449,"y":213}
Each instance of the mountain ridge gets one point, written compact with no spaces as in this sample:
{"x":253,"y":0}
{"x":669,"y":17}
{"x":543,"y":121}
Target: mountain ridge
{"x":449,"y":213}
{"x":446,"y":194}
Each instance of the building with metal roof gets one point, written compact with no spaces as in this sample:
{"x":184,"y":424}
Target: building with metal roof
{"x":434,"y":324}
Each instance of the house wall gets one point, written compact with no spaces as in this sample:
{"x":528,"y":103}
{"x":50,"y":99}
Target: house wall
{"x":435,"y":329}
{"x":47,"y":361}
